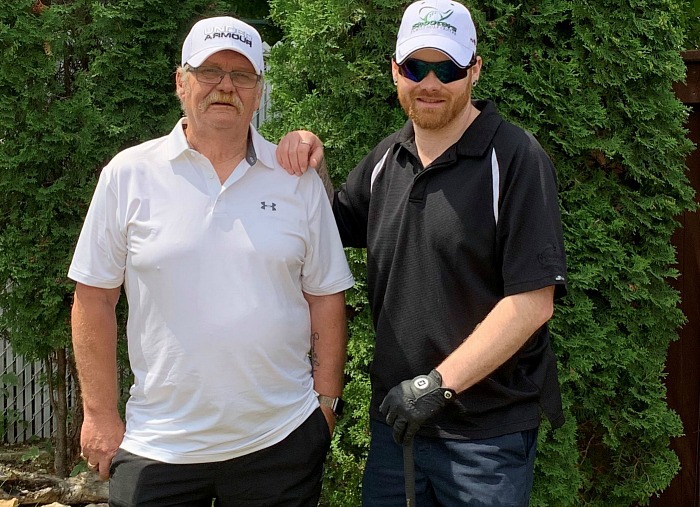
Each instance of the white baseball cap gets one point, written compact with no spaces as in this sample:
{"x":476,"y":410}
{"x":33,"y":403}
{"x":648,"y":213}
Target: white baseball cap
{"x":437,"y":24}
{"x":212,"y":35}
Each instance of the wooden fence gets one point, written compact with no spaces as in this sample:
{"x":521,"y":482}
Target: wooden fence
{"x":25,"y":398}
{"x":683,"y":380}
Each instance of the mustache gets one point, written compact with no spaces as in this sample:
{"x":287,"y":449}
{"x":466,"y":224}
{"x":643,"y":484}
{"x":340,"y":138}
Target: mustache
{"x":217,"y":97}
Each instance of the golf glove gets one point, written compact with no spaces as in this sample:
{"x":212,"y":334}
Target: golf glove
{"x":408,"y":405}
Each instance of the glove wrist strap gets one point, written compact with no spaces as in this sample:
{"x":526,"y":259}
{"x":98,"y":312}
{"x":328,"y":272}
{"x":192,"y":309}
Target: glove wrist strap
{"x":447,"y":393}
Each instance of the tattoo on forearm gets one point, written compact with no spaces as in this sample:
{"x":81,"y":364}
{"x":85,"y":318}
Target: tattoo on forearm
{"x":312,"y":353}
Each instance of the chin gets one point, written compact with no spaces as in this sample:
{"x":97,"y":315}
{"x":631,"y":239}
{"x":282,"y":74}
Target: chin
{"x":432,"y":121}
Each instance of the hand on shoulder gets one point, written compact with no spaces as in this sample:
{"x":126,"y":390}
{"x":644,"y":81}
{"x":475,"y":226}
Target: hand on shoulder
{"x":299,"y":150}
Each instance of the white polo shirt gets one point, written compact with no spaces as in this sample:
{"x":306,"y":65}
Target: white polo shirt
{"x":218,"y":327}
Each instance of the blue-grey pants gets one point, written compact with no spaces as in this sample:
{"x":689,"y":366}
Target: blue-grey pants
{"x":451,"y":473}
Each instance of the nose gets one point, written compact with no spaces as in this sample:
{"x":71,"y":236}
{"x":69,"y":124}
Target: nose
{"x":430,"y":82}
{"x":226,"y":83}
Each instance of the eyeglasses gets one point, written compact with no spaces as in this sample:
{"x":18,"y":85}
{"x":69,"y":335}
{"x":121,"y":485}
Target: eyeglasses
{"x":446,"y":72}
{"x":214,"y":75}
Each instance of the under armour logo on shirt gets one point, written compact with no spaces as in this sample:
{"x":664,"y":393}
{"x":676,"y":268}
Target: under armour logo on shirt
{"x":264,"y":205}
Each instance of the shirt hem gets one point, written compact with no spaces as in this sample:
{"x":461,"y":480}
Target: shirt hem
{"x":80,"y":277}
{"x":166,"y":456}
{"x":344,"y":284}
{"x":476,"y":434}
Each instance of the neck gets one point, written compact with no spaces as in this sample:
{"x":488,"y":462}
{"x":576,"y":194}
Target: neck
{"x":224,"y":148}
{"x":431,"y":143}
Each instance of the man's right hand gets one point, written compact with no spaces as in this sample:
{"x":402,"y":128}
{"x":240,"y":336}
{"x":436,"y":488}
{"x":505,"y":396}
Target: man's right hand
{"x":99,"y":440}
{"x":299,"y":150}
{"x":408,"y":405}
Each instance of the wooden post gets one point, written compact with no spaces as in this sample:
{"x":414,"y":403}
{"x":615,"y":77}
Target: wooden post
{"x":682,"y":365}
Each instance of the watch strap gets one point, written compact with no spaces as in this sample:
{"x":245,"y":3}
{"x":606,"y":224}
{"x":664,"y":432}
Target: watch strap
{"x":335,"y":404}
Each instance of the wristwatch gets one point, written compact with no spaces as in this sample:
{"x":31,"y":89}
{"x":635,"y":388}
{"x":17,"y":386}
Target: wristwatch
{"x":335,"y":404}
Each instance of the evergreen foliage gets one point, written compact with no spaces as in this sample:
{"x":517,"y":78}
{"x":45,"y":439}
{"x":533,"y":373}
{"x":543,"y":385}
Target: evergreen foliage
{"x":81,"y":80}
{"x":592,"y":80}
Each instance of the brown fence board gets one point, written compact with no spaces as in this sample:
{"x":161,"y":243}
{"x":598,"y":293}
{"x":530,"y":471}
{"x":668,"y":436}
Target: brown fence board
{"x":683,"y":363}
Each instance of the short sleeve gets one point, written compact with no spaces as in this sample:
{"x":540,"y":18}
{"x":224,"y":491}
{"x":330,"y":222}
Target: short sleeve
{"x":100,"y":255}
{"x":325,"y":269}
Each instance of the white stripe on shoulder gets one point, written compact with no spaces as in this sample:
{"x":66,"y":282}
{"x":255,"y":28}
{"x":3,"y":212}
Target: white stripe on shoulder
{"x":495,"y":182}
{"x":377,"y":169}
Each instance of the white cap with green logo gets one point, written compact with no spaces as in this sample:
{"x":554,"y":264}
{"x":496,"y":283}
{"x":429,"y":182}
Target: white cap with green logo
{"x":437,"y":24}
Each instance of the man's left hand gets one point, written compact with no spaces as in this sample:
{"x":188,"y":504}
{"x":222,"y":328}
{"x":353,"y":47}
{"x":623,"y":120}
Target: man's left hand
{"x":412,"y":402}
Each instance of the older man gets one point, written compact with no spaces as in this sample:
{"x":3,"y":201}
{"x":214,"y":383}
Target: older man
{"x":458,"y":211}
{"x":234,"y":275}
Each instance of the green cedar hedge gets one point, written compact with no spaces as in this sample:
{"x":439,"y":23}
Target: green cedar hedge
{"x":592,"y":80}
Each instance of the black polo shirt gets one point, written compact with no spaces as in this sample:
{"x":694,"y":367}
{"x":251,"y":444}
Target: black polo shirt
{"x":444,"y":244}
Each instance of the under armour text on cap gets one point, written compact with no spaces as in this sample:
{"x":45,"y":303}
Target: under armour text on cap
{"x":212,"y":35}
{"x":437,"y":24}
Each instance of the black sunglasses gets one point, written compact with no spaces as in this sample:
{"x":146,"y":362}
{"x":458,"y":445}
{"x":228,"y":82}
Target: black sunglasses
{"x":446,"y":71}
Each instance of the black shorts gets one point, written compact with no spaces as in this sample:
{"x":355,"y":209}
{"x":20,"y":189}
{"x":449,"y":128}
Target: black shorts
{"x":286,"y":474}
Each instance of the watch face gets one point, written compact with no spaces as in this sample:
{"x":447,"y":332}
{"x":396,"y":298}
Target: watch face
{"x":339,"y":406}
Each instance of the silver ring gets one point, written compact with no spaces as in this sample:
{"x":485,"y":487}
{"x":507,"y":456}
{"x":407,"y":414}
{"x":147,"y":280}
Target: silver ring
{"x":304,"y":142}
{"x":91,"y":466}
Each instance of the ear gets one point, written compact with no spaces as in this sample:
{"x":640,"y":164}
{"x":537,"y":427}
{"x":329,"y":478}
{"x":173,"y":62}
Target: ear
{"x":259,"y":93}
{"x":394,"y":71}
{"x":179,"y":83}
{"x":476,"y":70}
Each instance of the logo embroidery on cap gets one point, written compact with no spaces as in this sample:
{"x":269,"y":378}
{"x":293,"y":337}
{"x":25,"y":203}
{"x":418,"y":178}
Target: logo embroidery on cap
{"x":264,"y":205}
{"x":431,"y":17}
{"x":230,"y":32}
